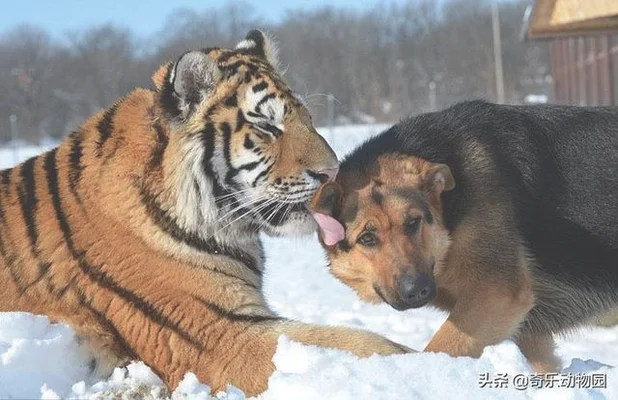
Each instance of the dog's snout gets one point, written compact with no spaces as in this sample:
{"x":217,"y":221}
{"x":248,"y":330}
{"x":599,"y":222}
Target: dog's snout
{"x":416,"y":290}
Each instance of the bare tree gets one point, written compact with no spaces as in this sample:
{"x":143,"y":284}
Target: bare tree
{"x":103,"y":66}
{"x":380,"y":64}
{"x":27,"y":72}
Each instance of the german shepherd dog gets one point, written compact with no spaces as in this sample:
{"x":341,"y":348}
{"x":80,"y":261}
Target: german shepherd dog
{"x":505,"y":216}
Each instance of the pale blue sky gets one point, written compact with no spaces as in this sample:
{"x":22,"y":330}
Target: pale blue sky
{"x":144,"y":17}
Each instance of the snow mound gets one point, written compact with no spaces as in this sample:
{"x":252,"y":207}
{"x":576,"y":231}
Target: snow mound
{"x":44,"y":360}
{"x":307,"y":372}
{"x":39,"y":359}
{"x":35,"y":353}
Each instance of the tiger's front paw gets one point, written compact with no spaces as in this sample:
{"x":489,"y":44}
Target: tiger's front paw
{"x":375,"y":344}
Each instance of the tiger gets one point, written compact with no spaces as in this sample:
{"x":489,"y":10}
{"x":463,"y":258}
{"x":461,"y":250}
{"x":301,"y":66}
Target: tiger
{"x":141,"y":230}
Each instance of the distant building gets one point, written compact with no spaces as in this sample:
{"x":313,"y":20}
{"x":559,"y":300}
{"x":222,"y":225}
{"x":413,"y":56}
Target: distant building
{"x":583,"y":37}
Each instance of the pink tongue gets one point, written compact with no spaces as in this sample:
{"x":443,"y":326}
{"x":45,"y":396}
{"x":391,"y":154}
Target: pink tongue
{"x":332,"y":231}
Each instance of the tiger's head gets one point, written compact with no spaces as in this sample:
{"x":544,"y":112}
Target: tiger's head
{"x":246,"y":137}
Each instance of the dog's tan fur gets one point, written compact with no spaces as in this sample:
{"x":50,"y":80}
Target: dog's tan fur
{"x":486,"y":303}
{"x":89,"y":236}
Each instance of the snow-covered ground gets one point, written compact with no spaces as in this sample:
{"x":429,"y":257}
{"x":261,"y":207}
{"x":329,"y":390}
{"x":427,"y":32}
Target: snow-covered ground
{"x":39,"y":359}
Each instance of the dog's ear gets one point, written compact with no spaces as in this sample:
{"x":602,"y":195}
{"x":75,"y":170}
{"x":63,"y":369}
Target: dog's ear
{"x":439,"y":178}
{"x":328,"y":200}
{"x":410,"y":171}
{"x":326,"y":209}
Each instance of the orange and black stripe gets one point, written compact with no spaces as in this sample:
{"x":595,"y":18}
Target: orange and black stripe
{"x":168,"y":224}
{"x":29,"y":202}
{"x":105,"y":127}
{"x":75,"y":162}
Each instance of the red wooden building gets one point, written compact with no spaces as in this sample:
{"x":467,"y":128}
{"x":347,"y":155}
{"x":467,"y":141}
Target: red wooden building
{"x":583,"y":37}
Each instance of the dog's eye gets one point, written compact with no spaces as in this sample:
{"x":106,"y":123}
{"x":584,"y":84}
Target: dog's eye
{"x":368,"y":239}
{"x":412,"y":226}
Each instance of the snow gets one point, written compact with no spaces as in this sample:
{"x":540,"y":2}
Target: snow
{"x":39,"y":359}
{"x":33,"y":353}
{"x":310,"y":373}
{"x":8,"y":154}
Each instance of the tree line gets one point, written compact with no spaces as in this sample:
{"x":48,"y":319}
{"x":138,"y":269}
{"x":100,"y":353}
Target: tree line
{"x":379,"y":65}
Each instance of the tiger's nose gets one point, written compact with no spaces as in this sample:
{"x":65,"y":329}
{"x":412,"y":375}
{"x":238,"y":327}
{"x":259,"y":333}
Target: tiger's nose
{"x":325,"y":175}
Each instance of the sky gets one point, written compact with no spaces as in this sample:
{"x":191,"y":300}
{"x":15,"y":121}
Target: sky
{"x":144,"y":17}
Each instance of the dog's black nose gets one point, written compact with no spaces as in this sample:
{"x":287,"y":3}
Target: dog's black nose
{"x":416,"y":290}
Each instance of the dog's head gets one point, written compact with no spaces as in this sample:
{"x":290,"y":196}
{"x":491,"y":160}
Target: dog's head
{"x":382,"y":228}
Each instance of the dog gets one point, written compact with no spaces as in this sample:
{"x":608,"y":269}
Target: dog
{"x":504,"y":216}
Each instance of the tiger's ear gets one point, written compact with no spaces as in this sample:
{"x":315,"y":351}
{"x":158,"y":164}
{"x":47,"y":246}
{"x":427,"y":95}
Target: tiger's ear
{"x":261,"y":45}
{"x":159,"y":77}
{"x":194,"y":77}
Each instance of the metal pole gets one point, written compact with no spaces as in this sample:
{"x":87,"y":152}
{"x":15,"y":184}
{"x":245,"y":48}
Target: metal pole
{"x":331,"y":113}
{"x":495,"y":23}
{"x":432,"y":96}
{"x":14,"y":135}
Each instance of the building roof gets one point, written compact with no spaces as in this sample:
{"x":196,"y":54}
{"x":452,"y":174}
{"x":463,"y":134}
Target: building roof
{"x":553,"y":18}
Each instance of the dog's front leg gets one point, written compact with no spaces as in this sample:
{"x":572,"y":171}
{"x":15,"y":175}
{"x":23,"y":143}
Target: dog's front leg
{"x":539,"y":350}
{"x":483,"y":315}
